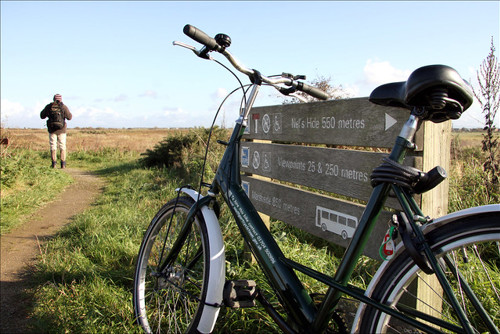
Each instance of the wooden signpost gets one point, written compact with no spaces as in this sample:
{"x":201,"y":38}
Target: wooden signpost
{"x":313,"y":171}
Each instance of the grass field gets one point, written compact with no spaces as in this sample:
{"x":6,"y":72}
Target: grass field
{"x":83,"y":279}
{"x":468,"y":139}
{"x":137,"y":140}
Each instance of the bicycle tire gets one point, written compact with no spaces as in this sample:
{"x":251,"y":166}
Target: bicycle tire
{"x":172,"y":301}
{"x":474,"y":240}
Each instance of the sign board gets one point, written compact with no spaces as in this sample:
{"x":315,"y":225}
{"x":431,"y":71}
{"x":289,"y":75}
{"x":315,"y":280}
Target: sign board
{"x":328,"y":218}
{"x":320,"y":146}
{"x":344,"y":172}
{"x":353,"y":122}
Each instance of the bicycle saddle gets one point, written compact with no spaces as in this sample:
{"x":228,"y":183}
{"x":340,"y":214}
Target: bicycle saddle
{"x":437,"y":91}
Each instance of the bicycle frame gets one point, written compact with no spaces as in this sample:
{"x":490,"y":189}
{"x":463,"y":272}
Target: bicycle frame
{"x":279,"y":270}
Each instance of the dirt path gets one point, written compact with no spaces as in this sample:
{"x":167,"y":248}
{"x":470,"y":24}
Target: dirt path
{"x":20,"y":247}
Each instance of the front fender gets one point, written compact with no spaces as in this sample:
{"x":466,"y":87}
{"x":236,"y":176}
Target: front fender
{"x":426,"y":229}
{"x":217,"y":268}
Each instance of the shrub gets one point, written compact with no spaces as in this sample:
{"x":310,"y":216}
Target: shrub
{"x":185,"y":152}
{"x":170,"y":152}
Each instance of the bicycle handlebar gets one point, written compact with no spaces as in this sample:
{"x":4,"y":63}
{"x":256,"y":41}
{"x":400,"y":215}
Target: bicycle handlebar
{"x":212,"y":45}
{"x":313,"y":91}
{"x":201,"y":37}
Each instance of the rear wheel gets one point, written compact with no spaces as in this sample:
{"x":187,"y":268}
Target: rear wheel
{"x":469,"y":252}
{"x":170,"y":300}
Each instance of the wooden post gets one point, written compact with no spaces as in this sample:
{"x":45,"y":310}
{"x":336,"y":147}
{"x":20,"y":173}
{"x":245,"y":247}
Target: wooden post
{"x":436,"y":144}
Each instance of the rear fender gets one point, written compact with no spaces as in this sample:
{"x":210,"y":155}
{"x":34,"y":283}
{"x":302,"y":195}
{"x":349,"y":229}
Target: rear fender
{"x":217,"y":268}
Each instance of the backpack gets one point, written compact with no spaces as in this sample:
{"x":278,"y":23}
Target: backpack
{"x":56,"y":117}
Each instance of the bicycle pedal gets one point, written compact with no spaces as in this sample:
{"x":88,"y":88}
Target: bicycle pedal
{"x":240,"y":293}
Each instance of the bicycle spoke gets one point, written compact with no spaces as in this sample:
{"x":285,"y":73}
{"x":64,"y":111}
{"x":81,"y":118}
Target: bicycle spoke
{"x":466,"y":291}
{"x":487,"y":271}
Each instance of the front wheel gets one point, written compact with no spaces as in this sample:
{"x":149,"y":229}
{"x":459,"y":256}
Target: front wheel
{"x":171,"y":299}
{"x":468,"y":250}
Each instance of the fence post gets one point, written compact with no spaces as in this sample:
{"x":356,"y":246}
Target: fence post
{"x":436,"y":142}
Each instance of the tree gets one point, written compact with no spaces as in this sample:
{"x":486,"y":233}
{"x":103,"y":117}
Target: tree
{"x":488,"y":78}
{"x":323,"y":83}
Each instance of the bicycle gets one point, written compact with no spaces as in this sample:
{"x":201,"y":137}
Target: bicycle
{"x":180,"y":275}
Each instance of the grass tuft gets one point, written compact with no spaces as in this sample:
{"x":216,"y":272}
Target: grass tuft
{"x":27,"y":183}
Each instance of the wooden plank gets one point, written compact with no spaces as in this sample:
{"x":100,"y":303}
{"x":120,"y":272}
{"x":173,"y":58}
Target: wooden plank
{"x":343,"y":172}
{"x":304,"y":209}
{"x":353,"y":122}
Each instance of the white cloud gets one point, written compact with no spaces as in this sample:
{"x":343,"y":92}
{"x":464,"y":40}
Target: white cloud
{"x":84,"y":116}
{"x":120,"y":98}
{"x":10,"y":108}
{"x":380,"y":72}
{"x":220,"y":93}
{"x":351,"y":90}
{"x":176,"y":112}
{"x":149,"y":93}
{"x":16,"y":115}
{"x":376,"y":73}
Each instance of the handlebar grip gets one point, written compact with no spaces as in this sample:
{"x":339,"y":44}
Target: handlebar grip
{"x":200,"y":37}
{"x":313,"y":91}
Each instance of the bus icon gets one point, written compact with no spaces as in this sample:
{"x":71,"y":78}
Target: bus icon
{"x":336,"y":222}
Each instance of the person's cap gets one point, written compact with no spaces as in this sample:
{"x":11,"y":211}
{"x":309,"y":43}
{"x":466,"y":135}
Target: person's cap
{"x":58,"y":97}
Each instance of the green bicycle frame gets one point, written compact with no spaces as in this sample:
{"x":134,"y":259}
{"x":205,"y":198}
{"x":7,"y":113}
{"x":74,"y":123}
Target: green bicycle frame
{"x":279,"y":270}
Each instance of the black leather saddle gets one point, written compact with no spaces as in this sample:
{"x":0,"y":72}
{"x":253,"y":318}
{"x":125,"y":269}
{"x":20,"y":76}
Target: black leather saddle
{"x":437,"y":91}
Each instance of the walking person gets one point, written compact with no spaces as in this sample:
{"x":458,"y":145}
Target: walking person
{"x":58,"y":113}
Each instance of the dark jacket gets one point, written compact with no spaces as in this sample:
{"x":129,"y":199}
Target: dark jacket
{"x":67,"y":115}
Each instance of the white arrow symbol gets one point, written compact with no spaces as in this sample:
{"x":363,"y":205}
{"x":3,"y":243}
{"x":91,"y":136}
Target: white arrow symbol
{"x":389,"y":121}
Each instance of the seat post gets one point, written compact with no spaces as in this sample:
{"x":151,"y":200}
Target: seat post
{"x":405,"y":139}
{"x":409,"y":128}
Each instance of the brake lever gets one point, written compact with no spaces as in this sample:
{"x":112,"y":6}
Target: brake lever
{"x":197,"y":52}
{"x":184,"y":45}
{"x":294,"y":77}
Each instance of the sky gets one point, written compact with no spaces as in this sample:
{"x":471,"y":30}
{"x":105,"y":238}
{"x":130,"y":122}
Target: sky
{"x":115,"y":65}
